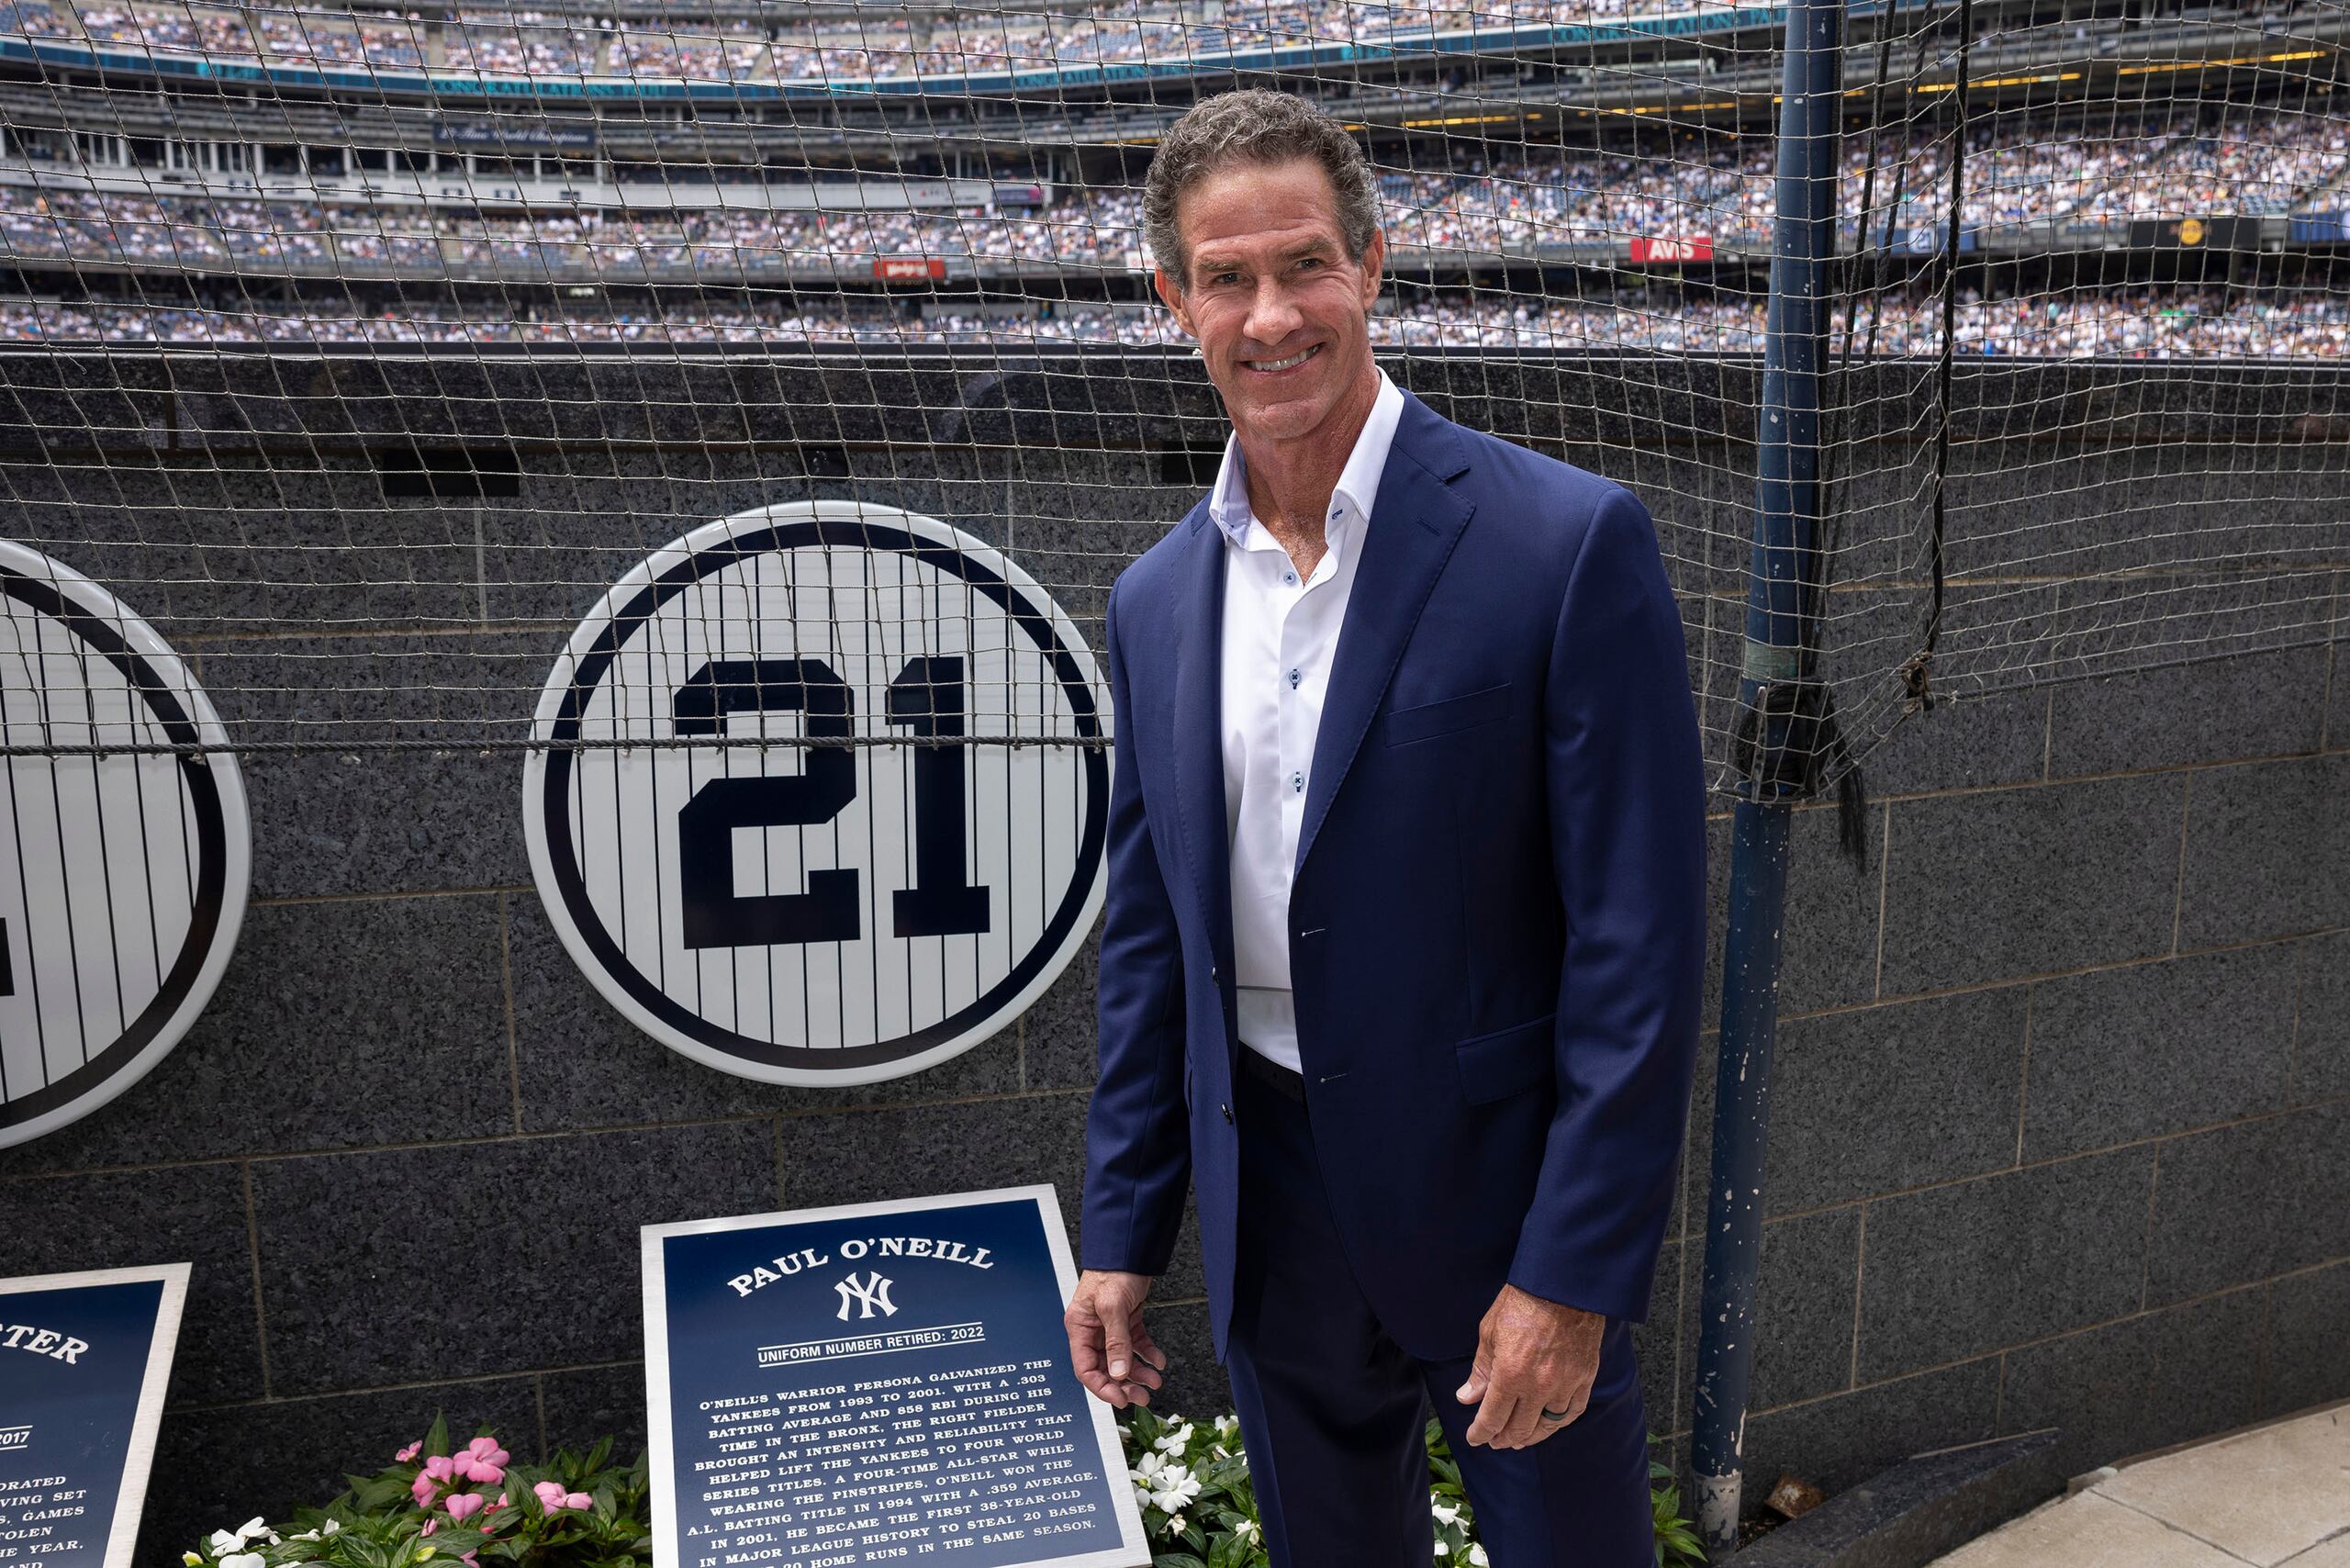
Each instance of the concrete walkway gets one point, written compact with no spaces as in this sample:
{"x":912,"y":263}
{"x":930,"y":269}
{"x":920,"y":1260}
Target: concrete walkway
{"x":2276,"y":1495}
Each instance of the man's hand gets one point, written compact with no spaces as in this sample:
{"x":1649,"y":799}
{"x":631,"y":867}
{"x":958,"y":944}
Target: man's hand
{"x":1532,"y":1355}
{"x":1104,"y":1323}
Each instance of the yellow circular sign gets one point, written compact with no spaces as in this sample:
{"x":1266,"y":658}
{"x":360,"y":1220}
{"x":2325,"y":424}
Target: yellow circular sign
{"x":2190,"y":231}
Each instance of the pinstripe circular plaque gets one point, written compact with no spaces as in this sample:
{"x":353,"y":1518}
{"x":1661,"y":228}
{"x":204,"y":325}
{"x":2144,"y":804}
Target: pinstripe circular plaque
{"x":122,"y":873}
{"x":823,"y":794}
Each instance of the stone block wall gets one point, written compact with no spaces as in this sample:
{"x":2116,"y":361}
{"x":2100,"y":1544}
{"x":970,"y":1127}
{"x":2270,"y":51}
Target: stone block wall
{"x":2063,"y":1073}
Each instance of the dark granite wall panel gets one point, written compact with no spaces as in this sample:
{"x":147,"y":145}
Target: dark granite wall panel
{"x":413,"y":1264}
{"x":2129,"y":1053}
{"x":1970,"y":897}
{"x":1972,"y":1266}
{"x":2063,"y":1069}
{"x":2267,"y":850}
{"x":2308,"y":1313}
{"x":2141,"y":1383}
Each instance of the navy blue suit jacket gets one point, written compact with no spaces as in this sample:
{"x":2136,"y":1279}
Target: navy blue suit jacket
{"x":1497,"y":921}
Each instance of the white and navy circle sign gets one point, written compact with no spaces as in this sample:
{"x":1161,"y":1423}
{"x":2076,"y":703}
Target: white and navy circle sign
{"x":122,"y":873}
{"x":867,"y":876}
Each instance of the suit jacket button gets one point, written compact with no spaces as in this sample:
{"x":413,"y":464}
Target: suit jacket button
{"x":1211,"y":974}
{"x":1226,"y":1109}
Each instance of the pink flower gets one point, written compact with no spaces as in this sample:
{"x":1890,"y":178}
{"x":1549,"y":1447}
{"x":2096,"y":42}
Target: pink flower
{"x":552,"y":1497}
{"x":430,"y":1526}
{"x":463,"y":1506}
{"x":440,"y":1467}
{"x":481,"y":1460}
{"x":410,"y":1452}
{"x":423,"y":1488}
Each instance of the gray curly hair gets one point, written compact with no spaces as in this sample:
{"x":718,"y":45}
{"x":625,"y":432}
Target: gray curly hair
{"x":1252,"y":127}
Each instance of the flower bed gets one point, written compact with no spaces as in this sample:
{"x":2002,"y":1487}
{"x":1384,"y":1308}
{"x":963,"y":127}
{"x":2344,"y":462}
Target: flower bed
{"x":439,"y":1501}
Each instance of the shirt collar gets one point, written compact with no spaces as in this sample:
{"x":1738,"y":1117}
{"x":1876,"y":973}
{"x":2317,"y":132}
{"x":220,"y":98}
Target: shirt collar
{"x":1358,"y":482}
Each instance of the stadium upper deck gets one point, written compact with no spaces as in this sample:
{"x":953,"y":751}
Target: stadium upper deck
{"x":2031,"y":188}
{"x":1487,"y":50}
{"x":879,"y":48}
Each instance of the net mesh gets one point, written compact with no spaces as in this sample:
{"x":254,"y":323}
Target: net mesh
{"x":363,"y":350}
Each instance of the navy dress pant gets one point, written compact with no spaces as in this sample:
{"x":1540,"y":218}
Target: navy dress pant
{"x":1333,"y":1411}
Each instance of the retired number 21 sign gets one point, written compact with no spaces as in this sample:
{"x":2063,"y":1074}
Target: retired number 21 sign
{"x":820,"y":793}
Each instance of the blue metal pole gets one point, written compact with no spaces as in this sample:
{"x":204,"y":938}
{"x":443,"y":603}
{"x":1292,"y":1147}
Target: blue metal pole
{"x":1787,"y":514}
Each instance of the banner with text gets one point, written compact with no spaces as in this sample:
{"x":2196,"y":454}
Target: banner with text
{"x":875,"y":1383}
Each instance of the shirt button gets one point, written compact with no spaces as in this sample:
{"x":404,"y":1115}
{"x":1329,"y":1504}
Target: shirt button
{"x":1297,"y":781}
{"x":1289,"y":577}
{"x":1292,"y":680}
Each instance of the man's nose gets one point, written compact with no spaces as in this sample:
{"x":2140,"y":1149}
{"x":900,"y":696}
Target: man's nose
{"x":1272,"y":314}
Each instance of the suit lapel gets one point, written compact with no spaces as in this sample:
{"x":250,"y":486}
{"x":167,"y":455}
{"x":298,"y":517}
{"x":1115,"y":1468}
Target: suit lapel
{"x":1415,"y":520}
{"x":1199,"y":729}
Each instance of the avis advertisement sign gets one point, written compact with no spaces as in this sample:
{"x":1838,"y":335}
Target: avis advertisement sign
{"x":1698,"y":248}
{"x":824,"y":794}
{"x":908,"y":269}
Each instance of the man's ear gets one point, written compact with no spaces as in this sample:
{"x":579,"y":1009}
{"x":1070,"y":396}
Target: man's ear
{"x":1374,"y":262}
{"x":1173,"y":299}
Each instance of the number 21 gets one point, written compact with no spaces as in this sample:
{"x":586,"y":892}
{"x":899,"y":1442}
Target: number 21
{"x":926,"y":698}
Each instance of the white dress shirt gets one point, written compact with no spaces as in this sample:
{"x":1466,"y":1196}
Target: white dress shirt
{"x":1280,"y":632}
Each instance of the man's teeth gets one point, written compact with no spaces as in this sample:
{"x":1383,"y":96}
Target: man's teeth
{"x":1283,"y":364}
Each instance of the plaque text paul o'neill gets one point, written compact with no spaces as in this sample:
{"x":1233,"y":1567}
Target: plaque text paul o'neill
{"x":877,"y":1384}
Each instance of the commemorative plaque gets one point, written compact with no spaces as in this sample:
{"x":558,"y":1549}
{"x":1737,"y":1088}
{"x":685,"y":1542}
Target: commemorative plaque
{"x":83,"y":1360}
{"x":877,"y":1384}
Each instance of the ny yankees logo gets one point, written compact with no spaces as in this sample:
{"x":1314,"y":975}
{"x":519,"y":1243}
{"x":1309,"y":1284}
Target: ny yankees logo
{"x":873,"y":1293}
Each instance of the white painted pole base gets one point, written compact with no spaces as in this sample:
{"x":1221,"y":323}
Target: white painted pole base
{"x":1718,"y":1513}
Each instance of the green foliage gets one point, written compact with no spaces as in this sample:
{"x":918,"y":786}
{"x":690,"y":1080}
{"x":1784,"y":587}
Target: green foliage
{"x":1677,"y":1545}
{"x":439,"y":1503}
{"x":426,"y":1510}
{"x":1199,"y":1509}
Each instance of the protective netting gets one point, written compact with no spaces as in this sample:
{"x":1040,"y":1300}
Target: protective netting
{"x":362,"y":351}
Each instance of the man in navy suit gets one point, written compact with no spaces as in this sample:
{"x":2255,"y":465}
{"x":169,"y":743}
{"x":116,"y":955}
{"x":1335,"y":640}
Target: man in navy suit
{"x":1403,"y":950}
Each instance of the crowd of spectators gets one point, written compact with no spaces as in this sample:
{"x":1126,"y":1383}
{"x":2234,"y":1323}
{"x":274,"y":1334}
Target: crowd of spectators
{"x":1469,"y":212}
{"x":892,"y":42}
{"x":2145,"y":323}
{"x":191,"y":231}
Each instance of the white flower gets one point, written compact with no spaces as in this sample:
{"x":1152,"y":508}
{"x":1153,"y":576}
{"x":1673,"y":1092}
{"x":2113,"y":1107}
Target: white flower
{"x":1227,"y":1424}
{"x":1176,"y":1439}
{"x":225,"y":1542}
{"x":1148,"y":1470}
{"x":1175,"y":1487}
{"x":1442,"y":1550}
{"x":1445,"y":1512}
{"x":1476,"y":1555}
{"x":330,"y":1527}
{"x":1175,"y":1524}
{"x":1246,"y":1529}
{"x":241,"y":1560}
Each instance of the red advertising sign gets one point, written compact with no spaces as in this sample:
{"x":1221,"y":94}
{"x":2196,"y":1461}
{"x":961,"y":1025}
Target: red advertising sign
{"x":908,"y":269}
{"x":1698,"y":248}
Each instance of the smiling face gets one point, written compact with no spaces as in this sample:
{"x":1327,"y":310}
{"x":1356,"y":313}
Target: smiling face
{"x":1275,"y":303}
